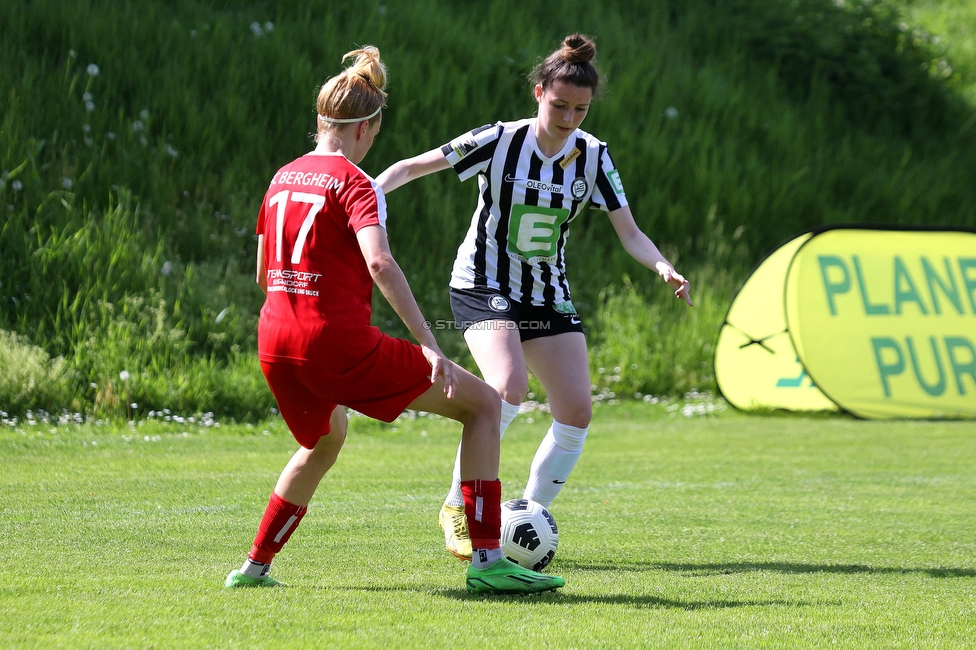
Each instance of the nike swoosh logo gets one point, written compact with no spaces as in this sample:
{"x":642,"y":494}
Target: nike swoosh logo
{"x":575,"y":321}
{"x":509,"y":179}
{"x":557,"y":482}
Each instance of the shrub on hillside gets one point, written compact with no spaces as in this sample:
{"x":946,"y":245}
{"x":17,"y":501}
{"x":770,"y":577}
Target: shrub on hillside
{"x":31,"y":380}
{"x":881,"y":70}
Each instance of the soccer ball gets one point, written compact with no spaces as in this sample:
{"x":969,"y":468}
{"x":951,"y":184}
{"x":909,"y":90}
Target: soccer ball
{"x":529,"y":534}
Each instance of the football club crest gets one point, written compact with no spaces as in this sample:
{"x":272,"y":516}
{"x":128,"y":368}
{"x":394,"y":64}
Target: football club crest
{"x":498,"y":303}
{"x":579,"y":188}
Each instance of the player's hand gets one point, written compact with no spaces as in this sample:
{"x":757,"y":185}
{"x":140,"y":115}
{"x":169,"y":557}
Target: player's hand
{"x":682,"y":288}
{"x":441,"y":366}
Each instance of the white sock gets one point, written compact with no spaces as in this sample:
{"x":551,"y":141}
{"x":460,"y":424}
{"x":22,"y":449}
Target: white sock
{"x":554,"y":460}
{"x":482,"y":558}
{"x":454,"y":497}
{"x":254,"y":569}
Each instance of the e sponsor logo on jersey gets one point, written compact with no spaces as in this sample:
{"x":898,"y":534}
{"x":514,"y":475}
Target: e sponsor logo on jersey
{"x":533,"y":232}
{"x":463,"y":145}
{"x":614,"y":177}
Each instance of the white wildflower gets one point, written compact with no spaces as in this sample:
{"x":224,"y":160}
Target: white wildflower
{"x":92,"y":70}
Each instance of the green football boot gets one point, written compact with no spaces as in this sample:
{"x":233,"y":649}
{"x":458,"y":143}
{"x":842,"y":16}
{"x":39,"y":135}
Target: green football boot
{"x":237,"y":579}
{"x":506,"y":577}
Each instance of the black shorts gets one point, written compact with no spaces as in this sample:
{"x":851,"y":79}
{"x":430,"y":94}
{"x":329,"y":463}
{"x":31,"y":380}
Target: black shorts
{"x":471,"y":306}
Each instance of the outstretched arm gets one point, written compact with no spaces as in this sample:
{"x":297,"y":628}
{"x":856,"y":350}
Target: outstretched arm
{"x":388,"y":276}
{"x":642,"y":249}
{"x":408,"y":169}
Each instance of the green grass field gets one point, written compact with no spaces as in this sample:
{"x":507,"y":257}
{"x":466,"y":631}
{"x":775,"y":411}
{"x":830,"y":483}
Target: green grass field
{"x":676,"y":530}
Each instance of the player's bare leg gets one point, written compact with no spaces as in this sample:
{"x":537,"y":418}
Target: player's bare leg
{"x":476,"y":405}
{"x":561,"y":364}
{"x":302,"y":474}
{"x":498,"y":352}
{"x":289,"y":502}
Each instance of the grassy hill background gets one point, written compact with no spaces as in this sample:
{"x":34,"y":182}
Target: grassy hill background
{"x":137,"y":140}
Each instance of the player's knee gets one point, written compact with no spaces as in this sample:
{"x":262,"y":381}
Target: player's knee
{"x":483,"y":403}
{"x":328,"y":447}
{"x":491,"y":402}
{"x":578,"y":415}
{"x":514,"y":390}
{"x":338,"y":424}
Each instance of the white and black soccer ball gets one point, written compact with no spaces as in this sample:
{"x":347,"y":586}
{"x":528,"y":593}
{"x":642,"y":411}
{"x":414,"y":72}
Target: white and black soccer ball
{"x":529,"y":534}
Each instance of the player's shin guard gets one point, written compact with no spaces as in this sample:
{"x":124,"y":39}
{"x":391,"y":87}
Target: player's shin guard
{"x":553,"y":462}
{"x":483,"y":509}
{"x":279,"y":522}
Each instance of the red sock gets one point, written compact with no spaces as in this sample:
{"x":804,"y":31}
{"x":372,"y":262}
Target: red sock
{"x":483,"y":508}
{"x":280,"y":520}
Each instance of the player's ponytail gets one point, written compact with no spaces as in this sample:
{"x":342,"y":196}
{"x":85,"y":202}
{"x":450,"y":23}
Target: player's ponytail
{"x":357,"y":93}
{"x":571,"y":63}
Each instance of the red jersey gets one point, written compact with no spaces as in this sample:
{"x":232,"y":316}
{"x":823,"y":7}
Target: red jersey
{"x":319,"y":287}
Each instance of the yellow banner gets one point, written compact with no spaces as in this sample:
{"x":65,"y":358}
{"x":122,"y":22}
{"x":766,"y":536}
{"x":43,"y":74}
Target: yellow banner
{"x":884,"y":321}
{"x":756,"y":366}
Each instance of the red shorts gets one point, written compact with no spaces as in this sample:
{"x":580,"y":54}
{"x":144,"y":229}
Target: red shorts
{"x":381,"y":385}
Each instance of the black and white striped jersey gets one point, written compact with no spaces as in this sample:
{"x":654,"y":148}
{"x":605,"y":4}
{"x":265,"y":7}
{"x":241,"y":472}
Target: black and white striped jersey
{"x":517,"y":239}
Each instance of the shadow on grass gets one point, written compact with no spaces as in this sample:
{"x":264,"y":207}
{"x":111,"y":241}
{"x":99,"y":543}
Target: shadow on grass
{"x":728,"y":568}
{"x":564,"y":597}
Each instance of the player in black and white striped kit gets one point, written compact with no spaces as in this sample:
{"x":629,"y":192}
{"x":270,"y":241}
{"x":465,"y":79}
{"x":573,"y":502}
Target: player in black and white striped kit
{"x":515,"y":245}
{"x":509,"y":290}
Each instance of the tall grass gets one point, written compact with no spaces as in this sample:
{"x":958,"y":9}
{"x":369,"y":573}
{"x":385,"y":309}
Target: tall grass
{"x":137,"y":141}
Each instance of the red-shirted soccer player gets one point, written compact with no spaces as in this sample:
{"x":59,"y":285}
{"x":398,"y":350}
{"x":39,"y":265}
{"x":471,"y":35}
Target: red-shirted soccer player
{"x":322,"y":245}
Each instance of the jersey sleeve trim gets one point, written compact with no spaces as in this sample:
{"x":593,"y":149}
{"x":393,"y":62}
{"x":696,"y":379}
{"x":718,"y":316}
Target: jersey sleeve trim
{"x":470,"y":154}
{"x":609,"y":194}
